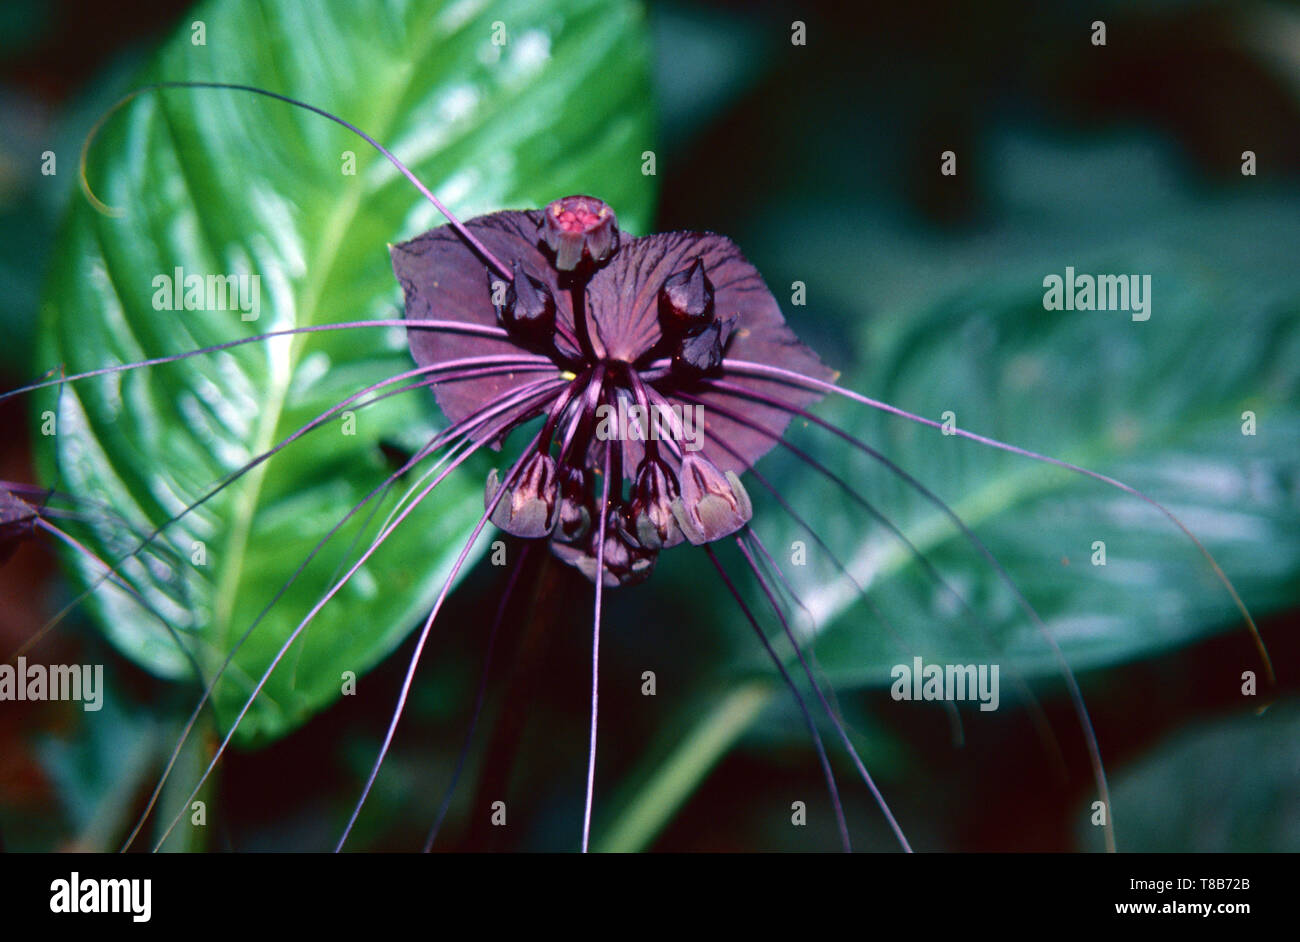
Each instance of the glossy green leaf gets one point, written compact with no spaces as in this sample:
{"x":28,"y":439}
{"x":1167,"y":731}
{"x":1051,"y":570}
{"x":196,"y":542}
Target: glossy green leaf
{"x":1160,"y":404}
{"x":960,"y":326}
{"x":492,"y":105}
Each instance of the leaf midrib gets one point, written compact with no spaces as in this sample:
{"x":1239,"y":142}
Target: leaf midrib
{"x":309,"y":302}
{"x":933,"y":528}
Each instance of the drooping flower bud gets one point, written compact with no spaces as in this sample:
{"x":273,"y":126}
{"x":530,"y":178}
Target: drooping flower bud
{"x":577,"y":506}
{"x":626,"y":563}
{"x":579,"y":227}
{"x":526,"y":306}
{"x":703,"y":352}
{"x":712,"y":504}
{"x":651,"y":512}
{"x":529,"y":507}
{"x":686,"y":301}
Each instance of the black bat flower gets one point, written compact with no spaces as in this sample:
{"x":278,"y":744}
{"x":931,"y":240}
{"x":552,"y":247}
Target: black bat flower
{"x":638,"y":323}
{"x":640,"y":333}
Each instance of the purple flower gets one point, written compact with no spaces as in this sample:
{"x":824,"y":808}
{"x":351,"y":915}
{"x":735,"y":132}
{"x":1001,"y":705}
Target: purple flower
{"x":649,"y":322}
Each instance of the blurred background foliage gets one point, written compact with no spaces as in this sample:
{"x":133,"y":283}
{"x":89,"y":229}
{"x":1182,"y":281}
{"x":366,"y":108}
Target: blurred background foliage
{"x":822,"y":163}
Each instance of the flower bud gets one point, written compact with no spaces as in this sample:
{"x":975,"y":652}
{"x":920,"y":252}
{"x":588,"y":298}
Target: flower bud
{"x":652,"y":506}
{"x":686,"y":301}
{"x":712,"y":504}
{"x":579,"y":227}
{"x":577,"y":506}
{"x":529,"y":507}
{"x":625,"y":562}
{"x":703,"y":352}
{"x":528,"y":307}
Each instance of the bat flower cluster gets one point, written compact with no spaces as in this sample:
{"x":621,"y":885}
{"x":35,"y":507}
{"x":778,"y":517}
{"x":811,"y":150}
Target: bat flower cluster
{"x":638,"y":327}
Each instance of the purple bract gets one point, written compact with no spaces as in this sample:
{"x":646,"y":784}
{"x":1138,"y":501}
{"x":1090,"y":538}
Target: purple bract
{"x":637,"y":327}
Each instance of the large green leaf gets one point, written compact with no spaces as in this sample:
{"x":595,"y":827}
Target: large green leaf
{"x":961,"y":326}
{"x":218,"y":182}
{"x":1158,"y":404}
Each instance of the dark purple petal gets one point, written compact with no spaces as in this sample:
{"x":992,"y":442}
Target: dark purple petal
{"x":442,"y":278}
{"x":624,"y":306}
{"x":768,"y":343}
{"x":697,"y":354}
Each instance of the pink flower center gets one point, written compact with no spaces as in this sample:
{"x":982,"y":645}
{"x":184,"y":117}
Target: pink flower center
{"x":577,"y":218}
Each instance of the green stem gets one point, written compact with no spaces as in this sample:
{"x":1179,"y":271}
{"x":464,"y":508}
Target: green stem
{"x":189,"y":837}
{"x":675,"y":779}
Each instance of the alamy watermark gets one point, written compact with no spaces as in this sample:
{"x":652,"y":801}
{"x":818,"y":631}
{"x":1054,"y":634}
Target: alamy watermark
{"x":79,"y":894}
{"x":82,"y":682}
{"x":656,"y":422}
{"x":1098,"y":293}
{"x":181,"y":292}
{"x":921,"y":681}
